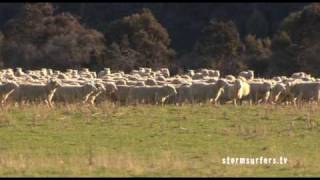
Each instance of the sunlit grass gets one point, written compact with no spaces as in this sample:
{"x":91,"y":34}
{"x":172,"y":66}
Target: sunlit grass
{"x":190,"y":140}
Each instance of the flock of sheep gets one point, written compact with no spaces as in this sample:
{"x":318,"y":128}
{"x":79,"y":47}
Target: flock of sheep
{"x":153,"y":87}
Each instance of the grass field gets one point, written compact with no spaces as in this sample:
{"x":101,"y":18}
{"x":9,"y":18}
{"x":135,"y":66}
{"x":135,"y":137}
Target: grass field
{"x":157,"y":141}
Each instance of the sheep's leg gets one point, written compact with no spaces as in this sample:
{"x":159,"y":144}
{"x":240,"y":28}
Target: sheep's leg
{"x":235,"y":102}
{"x":87,"y":97}
{"x":2,"y":101}
{"x":47,"y":103}
{"x":294,"y":102}
{"x":241,"y":102}
{"x":317,"y":101}
{"x":126,"y":101}
{"x":93,"y":98}
{"x":163,"y":99}
{"x":212,"y":101}
{"x":192,"y":100}
{"x":298,"y":99}
{"x":49,"y":99}
{"x":264,"y":100}
{"x":259,"y":101}
{"x":256,"y":98}
{"x":5,"y":96}
{"x":215,"y":100}
{"x":50,"y":104}
{"x":162,"y":103}
{"x":277,"y":98}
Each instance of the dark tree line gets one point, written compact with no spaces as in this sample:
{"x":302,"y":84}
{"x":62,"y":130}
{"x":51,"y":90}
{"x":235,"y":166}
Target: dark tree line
{"x":278,"y":38}
{"x":38,"y":37}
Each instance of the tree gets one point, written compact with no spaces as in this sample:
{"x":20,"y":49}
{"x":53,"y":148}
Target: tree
{"x":257,"y":24}
{"x":284,"y":60}
{"x":218,"y":39}
{"x":142,"y":33}
{"x":119,"y":58}
{"x":37,"y":37}
{"x":303,"y":26}
{"x":257,"y":53}
{"x":219,"y":47}
{"x":253,"y":45}
{"x":299,"y":40}
{"x":281,"y":41}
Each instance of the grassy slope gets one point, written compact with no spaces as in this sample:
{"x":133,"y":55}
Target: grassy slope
{"x":157,"y":141}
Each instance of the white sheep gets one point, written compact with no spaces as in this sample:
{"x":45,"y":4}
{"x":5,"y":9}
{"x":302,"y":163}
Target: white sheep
{"x":74,"y":93}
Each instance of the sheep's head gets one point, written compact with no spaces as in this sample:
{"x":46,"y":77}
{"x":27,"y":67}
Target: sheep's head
{"x":161,"y":78}
{"x":88,"y":87}
{"x":241,"y":78}
{"x":111,"y":87}
{"x":191,"y":73}
{"x":54,"y":83}
{"x":140,"y":83}
{"x":214,"y":73}
{"x":121,"y":82}
{"x":221,"y":83}
{"x":230,"y":77}
{"x":268,"y":86}
{"x":62,"y":76}
{"x":238,"y":84}
{"x":170,"y":90}
{"x":150,"y":82}
{"x":10,"y":85}
{"x":100,"y":87}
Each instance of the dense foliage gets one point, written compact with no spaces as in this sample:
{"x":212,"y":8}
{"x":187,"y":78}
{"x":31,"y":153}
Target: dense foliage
{"x":270,"y":38}
{"x":37,"y":37}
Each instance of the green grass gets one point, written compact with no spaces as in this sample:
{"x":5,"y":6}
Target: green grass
{"x":157,"y":141}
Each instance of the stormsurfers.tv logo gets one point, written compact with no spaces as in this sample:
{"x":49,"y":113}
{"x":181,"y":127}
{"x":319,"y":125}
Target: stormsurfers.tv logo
{"x":254,"y":161}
